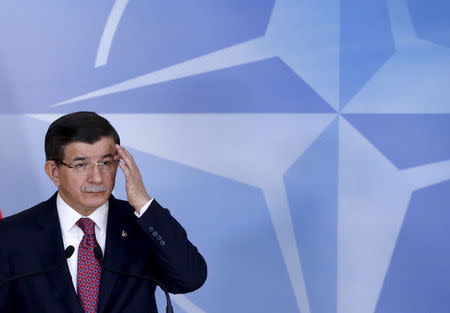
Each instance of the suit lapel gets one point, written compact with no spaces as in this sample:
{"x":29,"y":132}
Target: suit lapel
{"x":52,"y":252}
{"x":115,"y":255}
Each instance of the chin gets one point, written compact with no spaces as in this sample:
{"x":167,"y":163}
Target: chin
{"x":96,"y":199}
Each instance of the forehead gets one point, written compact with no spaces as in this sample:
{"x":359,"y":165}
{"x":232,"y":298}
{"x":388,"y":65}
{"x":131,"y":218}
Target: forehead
{"x":105,"y":145}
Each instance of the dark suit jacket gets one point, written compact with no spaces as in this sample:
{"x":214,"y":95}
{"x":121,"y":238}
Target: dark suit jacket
{"x":155,"y":245}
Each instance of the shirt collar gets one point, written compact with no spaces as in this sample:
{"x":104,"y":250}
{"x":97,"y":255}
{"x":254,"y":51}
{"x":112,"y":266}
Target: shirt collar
{"x":68,"y":216}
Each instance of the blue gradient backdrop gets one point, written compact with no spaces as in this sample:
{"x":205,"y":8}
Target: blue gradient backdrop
{"x":304,"y":145}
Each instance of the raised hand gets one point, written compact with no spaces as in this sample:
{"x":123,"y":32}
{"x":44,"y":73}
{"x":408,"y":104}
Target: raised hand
{"x":136,"y":193}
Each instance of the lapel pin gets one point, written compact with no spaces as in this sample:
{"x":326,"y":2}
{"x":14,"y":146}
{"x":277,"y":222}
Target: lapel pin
{"x":124,"y":234}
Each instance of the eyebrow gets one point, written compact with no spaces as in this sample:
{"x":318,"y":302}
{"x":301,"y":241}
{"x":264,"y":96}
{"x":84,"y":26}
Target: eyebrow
{"x":79,"y":159}
{"x":108,"y":155}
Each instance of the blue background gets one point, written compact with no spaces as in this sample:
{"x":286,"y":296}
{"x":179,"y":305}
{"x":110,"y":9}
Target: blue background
{"x":304,"y":145}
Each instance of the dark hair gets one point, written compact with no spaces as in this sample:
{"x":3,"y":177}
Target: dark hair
{"x":86,"y":127}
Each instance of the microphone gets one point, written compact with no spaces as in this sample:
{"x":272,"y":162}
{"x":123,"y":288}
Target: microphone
{"x":68,"y":252}
{"x":99,"y":256}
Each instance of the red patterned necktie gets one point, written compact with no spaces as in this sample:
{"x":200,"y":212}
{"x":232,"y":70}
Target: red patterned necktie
{"x":89,"y":270}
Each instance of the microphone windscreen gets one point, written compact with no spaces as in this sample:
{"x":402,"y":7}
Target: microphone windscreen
{"x":98,"y":253}
{"x":68,"y":252}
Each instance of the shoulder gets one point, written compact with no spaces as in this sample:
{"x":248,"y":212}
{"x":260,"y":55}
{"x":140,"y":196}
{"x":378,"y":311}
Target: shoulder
{"x":122,"y":204}
{"x":22,"y":217}
{"x":121,"y":209}
{"x":18,"y":221}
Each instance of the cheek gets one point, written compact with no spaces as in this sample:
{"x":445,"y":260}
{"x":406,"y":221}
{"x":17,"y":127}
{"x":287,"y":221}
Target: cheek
{"x":110,"y":180}
{"x":74,"y":184}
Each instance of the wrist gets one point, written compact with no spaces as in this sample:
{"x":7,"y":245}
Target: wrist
{"x":141,"y":203}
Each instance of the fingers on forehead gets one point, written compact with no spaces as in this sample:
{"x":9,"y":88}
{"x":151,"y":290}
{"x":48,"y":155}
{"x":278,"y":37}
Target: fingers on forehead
{"x":127,"y":155}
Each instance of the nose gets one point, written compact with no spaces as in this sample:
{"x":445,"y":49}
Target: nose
{"x":95,"y":175}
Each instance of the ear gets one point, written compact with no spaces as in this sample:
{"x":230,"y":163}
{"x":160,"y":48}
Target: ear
{"x":52,"y":171}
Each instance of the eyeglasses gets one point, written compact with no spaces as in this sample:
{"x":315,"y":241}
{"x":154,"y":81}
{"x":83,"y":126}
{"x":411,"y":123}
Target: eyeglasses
{"x":86,"y":168}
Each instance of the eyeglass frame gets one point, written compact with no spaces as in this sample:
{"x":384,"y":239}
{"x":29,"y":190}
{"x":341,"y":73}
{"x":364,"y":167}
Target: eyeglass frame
{"x":91,"y":166}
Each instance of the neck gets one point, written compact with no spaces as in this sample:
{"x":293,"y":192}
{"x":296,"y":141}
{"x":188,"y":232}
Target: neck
{"x":84,"y":212}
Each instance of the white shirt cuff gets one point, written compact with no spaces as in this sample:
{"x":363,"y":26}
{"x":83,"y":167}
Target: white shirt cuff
{"x":144,"y":208}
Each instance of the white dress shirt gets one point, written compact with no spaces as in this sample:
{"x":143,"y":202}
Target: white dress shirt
{"x":72,"y":234}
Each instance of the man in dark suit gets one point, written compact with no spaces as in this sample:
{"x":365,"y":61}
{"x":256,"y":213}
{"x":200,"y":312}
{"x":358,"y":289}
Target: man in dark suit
{"x":137,"y":236}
